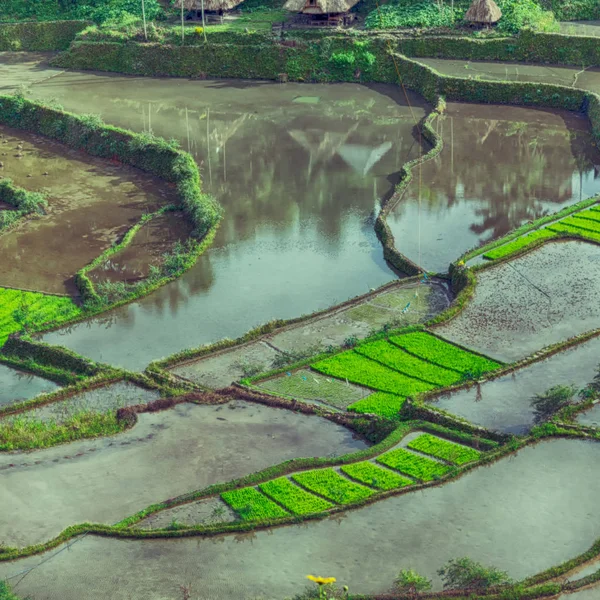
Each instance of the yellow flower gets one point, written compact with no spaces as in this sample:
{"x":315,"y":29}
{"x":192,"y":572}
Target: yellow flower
{"x":321,"y":580}
{"x":199,"y":29}
{"x":461,"y":263}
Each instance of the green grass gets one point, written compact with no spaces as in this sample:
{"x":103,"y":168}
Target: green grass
{"x":436,"y":351}
{"x":358,"y":369}
{"x":454,"y":453}
{"x":251,"y":505}
{"x":6,"y":593}
{"x":586,"y":233}
{"x":32,"y":309}
{"x":23,"y":433}
{"x":416,"y":466}
{"x":519,"y":243}
{"x":332,"y":486}
{"x":370,"y":474}
{"x":379,"y":403}
{"x":295,"y":499}
{"x":399,"y":360}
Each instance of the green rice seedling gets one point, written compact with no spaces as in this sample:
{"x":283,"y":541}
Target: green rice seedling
{"x":332,"y":486}
{"x":412,"y":464}
{"x":295,"y":499}
{"x":457,"y":454}
{"x":585,"y":233}
{"x":379,"y":403}
{"x":251,"y":505}
{"x":592,"y":215}
{"x":363,"y":371}
{"x":519,"y":243}
{"x":399,"y":360}
{"x":374,"y":476}
{"x":437,"y":351}
{"x":582,"y":223}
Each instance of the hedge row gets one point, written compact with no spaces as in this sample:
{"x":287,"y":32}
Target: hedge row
{"x":39,"y":37}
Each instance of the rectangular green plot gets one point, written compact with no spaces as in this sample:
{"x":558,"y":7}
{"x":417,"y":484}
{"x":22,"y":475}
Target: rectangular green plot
{"x":251,"y":505}
{"x":295,"y":499}
{"x":586,"y":233}
{"x":412,"y":464}
{"x":518,"y":244}
{"x":370,"y":474}
{"x":399,"y":360}
{"x":363,"y":371}
{"x":332,"y":486}
{"x":592,"y":215}
{"x":379,"y":403}
{"x":587,"y":224}
{"x":439,"y":352}
{"x":455,"y":453}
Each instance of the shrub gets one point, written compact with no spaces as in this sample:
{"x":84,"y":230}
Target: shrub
{"x":410,"y":582}
{"x":518,"y":14}
{"x":410,"y":14}
{"x":464,"y":573}
{"x":551,"y":401}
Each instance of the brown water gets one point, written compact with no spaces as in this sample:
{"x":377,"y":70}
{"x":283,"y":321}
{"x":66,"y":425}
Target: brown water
{"x":501,"y":167}
{"x":522,"y":514}
{"x":17,"y":385}
{"x":505,"y":403}
{"x":91,"y":204}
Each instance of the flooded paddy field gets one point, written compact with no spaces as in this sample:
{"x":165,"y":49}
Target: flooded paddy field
{"x":513,"y":514}
{"x":16,"y":386}
{"x":501,"y":166}
{"x":504,"y":403}
{"x":541,"y":298}
{"x":165,"y":454}
{"x":91,"y":204}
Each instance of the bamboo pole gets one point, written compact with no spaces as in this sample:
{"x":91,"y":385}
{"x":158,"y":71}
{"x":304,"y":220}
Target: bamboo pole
{"x":144,"y":19}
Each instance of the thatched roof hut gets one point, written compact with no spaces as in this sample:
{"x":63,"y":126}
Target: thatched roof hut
{"x":319,"y":7}
{"x":209,"y":5}
{"x":486,"y":12}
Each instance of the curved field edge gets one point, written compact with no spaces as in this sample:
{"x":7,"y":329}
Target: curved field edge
{"x":143,"y":151}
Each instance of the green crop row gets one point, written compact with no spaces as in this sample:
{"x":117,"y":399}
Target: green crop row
{"x":363,"y":371}
{"x":295,"y":499}
{"x":454,"y":453}
{"x":574,"y":230}
{"x":592,"y":214}
{"x":519,"y":243}
{"x":582,"y":223}
{"x":331,"y":485}
{"x":444,"y":354}
{"x":412,"y":464}
{"x":379,"y":403}
{"x":374,"y":476}
{"x":392,"y":356}
{"x":251,"y":505}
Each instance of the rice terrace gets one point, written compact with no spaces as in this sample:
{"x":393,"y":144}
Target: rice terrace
{"x":299,"y":299}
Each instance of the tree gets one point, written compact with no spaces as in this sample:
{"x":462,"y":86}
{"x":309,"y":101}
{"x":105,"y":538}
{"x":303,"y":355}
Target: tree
{"x":552,"y":400}
{"x":410,"y":582}
{"x":464,"y":573}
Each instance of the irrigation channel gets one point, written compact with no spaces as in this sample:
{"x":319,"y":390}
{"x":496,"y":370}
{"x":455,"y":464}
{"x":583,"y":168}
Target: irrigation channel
{"x":307,"y":210}
{"x":297,"y":237}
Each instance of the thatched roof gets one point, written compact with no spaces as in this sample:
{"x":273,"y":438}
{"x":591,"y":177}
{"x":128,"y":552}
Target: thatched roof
{"x":483,"y":11}
{"x":320,"y":6}
{"x":209,"y":5}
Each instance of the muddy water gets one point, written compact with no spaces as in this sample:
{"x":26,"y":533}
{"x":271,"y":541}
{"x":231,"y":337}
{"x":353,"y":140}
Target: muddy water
{"x":522,"y":514}
{"x":164,"y":455}
{"x":91,"y":204}
{"x":500,"y":167}
{"x":505,"y":403}
{"x":17,"y":385}
{"x":299,"y":170}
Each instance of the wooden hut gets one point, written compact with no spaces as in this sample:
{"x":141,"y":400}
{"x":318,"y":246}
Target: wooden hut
{"x":194,"y":7}
{"x":483,"y":12}
{"x":322,"y":12}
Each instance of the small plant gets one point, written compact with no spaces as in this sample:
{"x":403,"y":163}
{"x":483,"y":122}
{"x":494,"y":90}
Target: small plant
{"x":465,"y":573}
{"x":350,"y":342}
{"x":546,"y":405}
{"x":411,"y":583}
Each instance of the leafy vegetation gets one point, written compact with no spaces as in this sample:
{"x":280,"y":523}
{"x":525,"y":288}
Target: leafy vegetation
{"x":363,"y":371}
{"x":519,"y":243}
{"x":392,"y":356}
{"x":251,"y":505}
{"x":295,"y":499}
{"x":331,"y":485}
{"x":411,"y":583}
{"x":588,"y":234}
{"x":6,"y":593}
{"x":518,"y":14}
{"x":444,"y":354}
{"x":379,"y":403}
{"x":547,"y":404}
{"x":466,"y":574}
{"x":408,"y":13}
{"x":582,"y":223}
{"x":454,"y":453}
{"x":414,"y":465}
{"x":374,"y":476}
